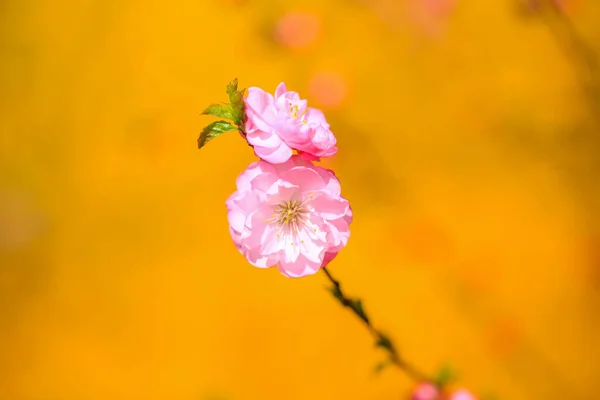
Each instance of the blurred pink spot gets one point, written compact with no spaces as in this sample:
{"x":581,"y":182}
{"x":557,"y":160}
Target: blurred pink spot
{"x":297,"y":30}
{"x":462,"y":394}
{"x":431,"y":15}
{"x":425,"y":391}
{"x":440,"y":8}
{"x":328,"y":89}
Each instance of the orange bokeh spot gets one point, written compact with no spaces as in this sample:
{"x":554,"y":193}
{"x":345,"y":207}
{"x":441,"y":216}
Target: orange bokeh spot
{"x":327,"y":89}
{"x":426,"y":242}
{"x":504,"y":336}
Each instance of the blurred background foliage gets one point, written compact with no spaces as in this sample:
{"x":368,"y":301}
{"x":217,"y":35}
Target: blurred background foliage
{"x":469,"y":148}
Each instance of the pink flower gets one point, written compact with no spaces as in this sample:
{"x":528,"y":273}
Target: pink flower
{"x":277,"y":125}
{"x":462,"y":394}
{"x":289,"y":215}
{"x":425,"y":391}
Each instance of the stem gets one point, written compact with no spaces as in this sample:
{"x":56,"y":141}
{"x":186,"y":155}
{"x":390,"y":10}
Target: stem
{"x":583,"y":56}
{"x":381,"y":339}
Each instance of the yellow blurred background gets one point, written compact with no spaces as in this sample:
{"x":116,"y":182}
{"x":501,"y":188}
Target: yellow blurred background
{"x":469,"y":149}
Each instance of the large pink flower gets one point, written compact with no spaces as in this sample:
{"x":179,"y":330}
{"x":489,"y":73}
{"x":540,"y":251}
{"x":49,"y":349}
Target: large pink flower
{"x":289,"y":215}
{"x":277,"y":125}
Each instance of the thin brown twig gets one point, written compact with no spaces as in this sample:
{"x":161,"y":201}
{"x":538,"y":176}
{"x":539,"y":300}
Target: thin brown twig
{"x":574,"y":45}
{"x":381,"y":339}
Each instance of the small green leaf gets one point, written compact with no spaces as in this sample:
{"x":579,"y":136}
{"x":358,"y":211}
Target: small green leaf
{"x":232,"y":87}
{"x":236,"y":100}
{"x":489,"y":396}
{"x":335,"y":291}
{"x":213,"y":130}
{"x":384,"y":342}
{"x":219,"y":110}
{"x":358,"y":308}
{"x":445,"y":375}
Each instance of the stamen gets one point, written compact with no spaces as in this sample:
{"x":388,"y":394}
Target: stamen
{"x":290,"y":216}
{"x":294,"y":111}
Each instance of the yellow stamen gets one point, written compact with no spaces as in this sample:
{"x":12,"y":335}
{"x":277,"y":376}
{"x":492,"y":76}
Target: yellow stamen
{"x":294,"y":111}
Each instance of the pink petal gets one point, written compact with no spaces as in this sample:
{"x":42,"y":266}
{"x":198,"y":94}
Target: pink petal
{"x":305,"y":178}
{"x":329,"y":256}
{"x":330,"y":207}
{"x":332,"y":183}
{"x":338,"y":234}
{"x":281,"y":89}
{"x":260,"y":102}
{"x":308,"y":156}
{"x":301,"y":267}
{"x":276,"y":156}
{"x":260,"y":230}
{"x":260,"y":261}
{"x":236,"y":219}
{"x":291,"y":249}
{"x":315,"y":116}
{"x":256,"y":168}
{"x":266,"y":139}
{"x":264,"y":183}
{"x":309,"y":248}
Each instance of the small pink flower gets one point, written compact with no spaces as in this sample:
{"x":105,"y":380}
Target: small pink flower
{"x":279,"y":124}
{"x":425,"y":391}
{"x":289,"y":215}
{"x":462,"y":394}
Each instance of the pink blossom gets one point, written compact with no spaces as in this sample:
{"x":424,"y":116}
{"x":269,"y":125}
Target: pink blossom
{"x":462,"y":394}
{"x":279,"y":124}
{"x":425,"y":391}
{"x":289,"y":215}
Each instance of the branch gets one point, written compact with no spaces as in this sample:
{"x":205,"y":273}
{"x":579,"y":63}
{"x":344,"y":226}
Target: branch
{"x":381,"y":340}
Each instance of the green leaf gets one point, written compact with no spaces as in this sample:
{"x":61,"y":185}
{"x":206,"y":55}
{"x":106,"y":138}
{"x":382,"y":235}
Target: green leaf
{"x":219,"y":110}
{"x":232,"y":87}
{"x":445,"y":375}
{"x":384,"y":341}
{"x":213,"y":130}
{"x":335,"y":291}
{"x":236,"y":100}
{"x":489,"y":396}
{"x":358,"y":307}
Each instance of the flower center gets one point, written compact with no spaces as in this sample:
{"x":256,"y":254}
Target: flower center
{"x":290,"y":213}
{"x":290,"y":217}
